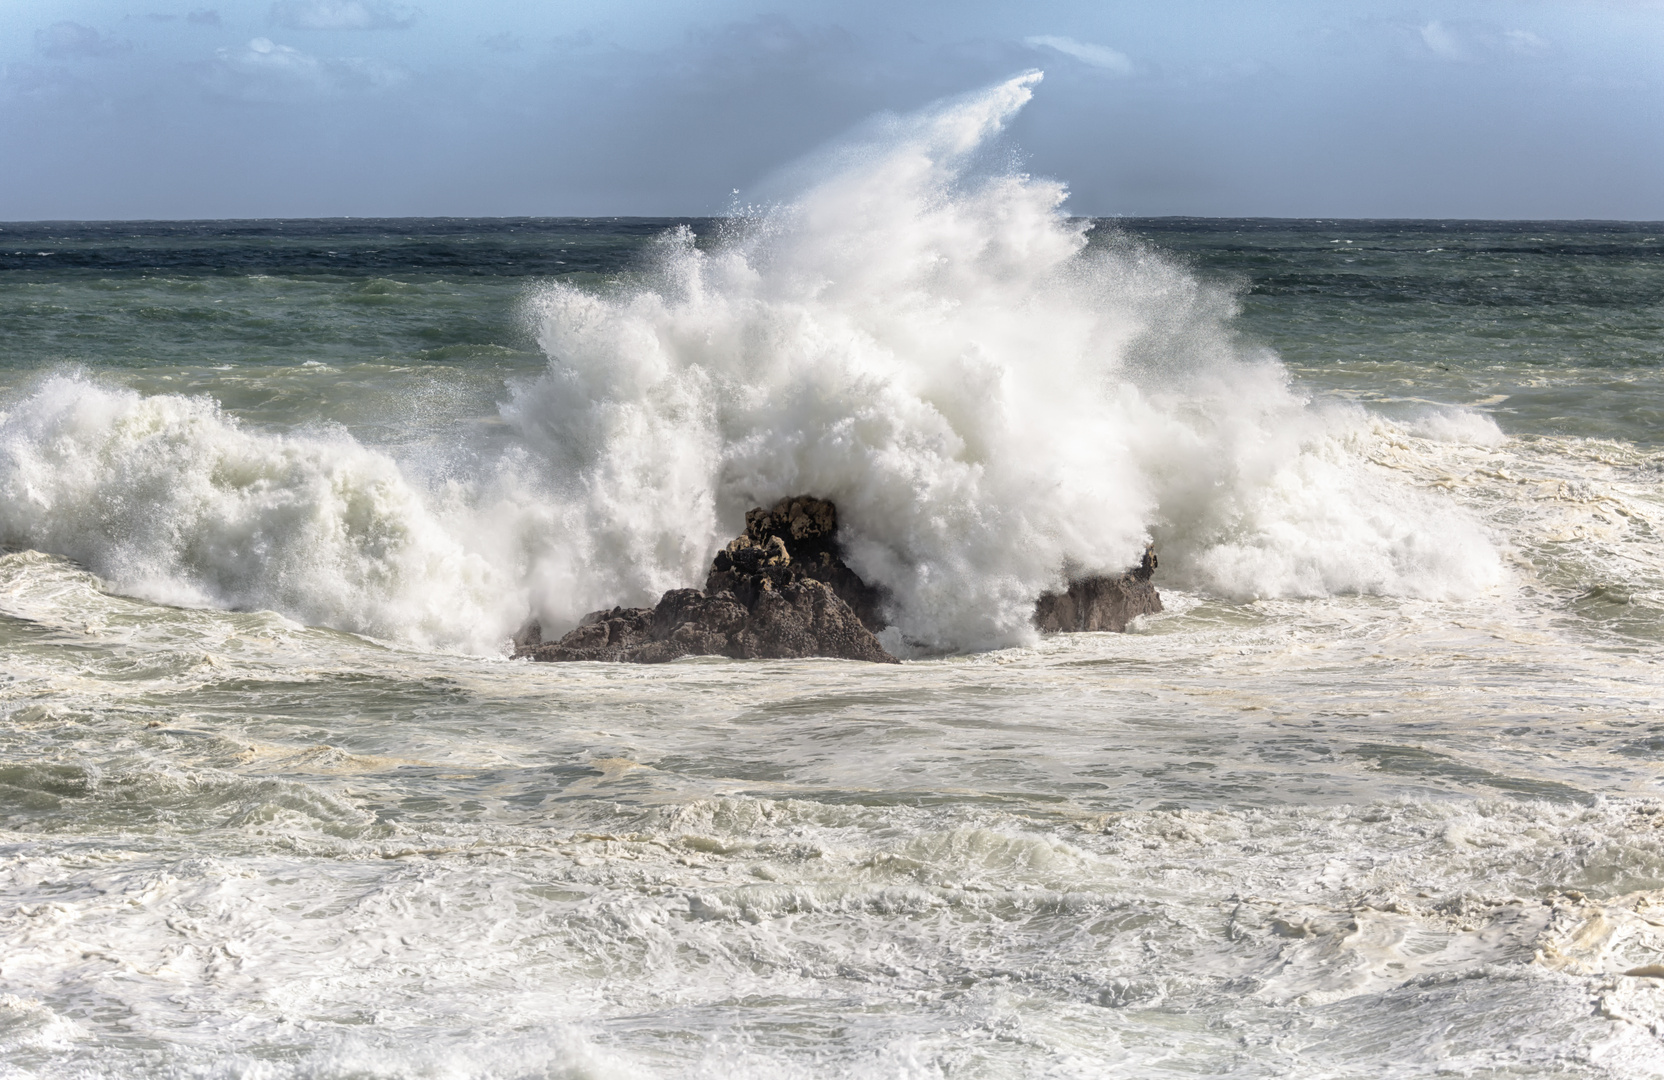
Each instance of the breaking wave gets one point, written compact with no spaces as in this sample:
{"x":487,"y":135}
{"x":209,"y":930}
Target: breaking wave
{"x":991,"y":401}
{"x":994,"y":399}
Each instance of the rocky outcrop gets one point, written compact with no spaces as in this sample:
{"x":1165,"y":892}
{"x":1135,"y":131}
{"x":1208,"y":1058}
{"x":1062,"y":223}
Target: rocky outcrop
{"x":793,"y":541}
{"x":779,"y":591}
{"x":1101,"y":602}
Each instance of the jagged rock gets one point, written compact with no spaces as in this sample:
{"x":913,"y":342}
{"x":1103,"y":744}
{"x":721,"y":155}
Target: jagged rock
{"x":782,"y":590}
{"x":1101,"y":602}
{"x":795,"y":539}
{"x":779,"y":591}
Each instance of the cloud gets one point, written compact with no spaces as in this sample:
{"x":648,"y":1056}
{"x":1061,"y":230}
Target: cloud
{"x":341,"y":15}
{"x":1524,"y":42}
{"x":504,"y":42}
{"x":68,"y":40}
{"x":266,"y":72}
{"x":1442,"y":41}
{"x":1099,"y":56}
{"x":1477,"y":42}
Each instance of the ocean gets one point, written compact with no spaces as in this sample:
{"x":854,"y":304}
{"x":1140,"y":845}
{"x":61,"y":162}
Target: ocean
{"x":1377,"y":795}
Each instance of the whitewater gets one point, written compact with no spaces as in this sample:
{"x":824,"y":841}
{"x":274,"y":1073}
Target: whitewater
{"x":1376,"y":795}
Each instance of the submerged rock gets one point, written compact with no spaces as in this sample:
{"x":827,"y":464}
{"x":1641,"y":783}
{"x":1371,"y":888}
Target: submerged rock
{"x":780,"y":591}
{"x":1101,"y":602}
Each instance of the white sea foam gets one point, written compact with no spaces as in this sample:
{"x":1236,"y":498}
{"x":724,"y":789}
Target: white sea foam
{"x":1454,"y":425}
{"x":992,"y":402}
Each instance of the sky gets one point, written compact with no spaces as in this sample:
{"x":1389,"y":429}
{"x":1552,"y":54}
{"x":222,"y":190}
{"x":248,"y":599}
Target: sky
{"x":121,"y":109}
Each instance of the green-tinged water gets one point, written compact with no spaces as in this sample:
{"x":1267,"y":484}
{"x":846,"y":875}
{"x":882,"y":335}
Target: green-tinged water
{"x":1565,"y":318}
{"x":1377,"y":795}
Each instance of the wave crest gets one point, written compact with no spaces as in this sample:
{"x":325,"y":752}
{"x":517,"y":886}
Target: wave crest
{"x":992,"y":402}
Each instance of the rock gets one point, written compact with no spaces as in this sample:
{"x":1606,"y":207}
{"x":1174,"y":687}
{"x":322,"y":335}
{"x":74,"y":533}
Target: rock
{"x":1101,"y":602}
{"x":601,"y":635}
{"x":780,"y":591}
{"x":794,"y":540}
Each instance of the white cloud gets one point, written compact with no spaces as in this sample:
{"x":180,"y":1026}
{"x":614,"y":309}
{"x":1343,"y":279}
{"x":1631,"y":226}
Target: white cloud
{"x":1099,"y":56}
{"x":1467,"y":41}
{"x":341,"y":15}
{"x":1442,"y":41}
{"x":265,"y":71}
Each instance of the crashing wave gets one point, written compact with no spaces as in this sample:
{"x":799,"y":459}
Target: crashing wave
{"x":994,"y":401}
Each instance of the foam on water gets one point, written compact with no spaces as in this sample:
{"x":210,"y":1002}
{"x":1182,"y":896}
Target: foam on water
{"x":1350,"y":836}
{"x":992,"y":405}
{"x":744,"y":936}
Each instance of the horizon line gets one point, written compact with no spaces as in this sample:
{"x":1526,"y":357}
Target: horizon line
{"x":1317,"y":219}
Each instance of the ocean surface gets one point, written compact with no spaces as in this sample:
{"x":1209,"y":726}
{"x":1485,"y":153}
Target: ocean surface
{"x":1379,"y":794}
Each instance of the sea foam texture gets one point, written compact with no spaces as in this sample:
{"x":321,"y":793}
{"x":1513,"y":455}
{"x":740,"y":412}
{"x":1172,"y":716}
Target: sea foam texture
{"x":992,"y":402}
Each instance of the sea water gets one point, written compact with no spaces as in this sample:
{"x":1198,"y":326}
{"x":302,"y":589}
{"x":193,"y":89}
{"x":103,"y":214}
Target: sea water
{"x":1377,"y":795}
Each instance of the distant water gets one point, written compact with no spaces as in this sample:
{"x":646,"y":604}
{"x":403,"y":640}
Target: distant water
{"x":1378,"y":795}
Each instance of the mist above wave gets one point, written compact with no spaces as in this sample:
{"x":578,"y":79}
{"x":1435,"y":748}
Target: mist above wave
{"x":994,"y":403}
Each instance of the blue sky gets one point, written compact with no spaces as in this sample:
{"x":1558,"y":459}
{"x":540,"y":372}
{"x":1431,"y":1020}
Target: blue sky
{"x":215,"y":108}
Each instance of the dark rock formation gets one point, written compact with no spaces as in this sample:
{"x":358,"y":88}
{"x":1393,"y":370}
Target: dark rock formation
{"x":782,"y":591}
{"x":779,"y":591}
{"x":1101,"y":603}
{"x":796,"y":539}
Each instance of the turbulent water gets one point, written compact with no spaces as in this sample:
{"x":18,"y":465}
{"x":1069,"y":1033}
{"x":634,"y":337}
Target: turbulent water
{"x":1377,"y":795}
